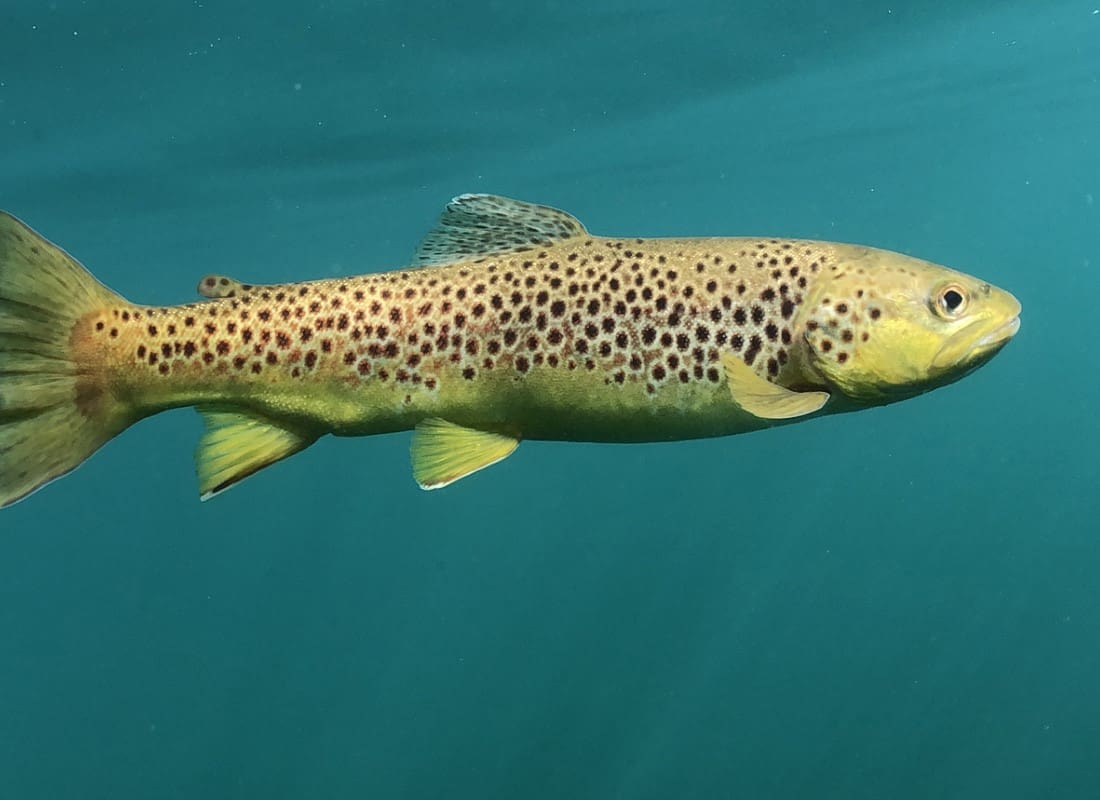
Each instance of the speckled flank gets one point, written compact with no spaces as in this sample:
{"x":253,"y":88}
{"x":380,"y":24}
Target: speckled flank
{"x":652,"y":314}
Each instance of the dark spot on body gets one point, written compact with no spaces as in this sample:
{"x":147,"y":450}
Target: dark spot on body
{"x":753,"y":349}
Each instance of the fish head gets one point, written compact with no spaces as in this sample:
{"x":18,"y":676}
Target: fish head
{"x":880,"y":326}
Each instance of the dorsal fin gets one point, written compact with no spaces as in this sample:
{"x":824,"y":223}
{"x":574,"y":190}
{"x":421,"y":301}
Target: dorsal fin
{"x":218,"y":286}
{"x":476,"y":225}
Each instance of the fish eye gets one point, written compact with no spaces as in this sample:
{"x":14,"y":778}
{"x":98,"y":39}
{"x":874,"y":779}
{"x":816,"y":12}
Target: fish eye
{"x":951,"y":300}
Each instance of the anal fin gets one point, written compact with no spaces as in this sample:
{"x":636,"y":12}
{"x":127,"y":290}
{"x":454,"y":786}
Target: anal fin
{"x":764,"y":399}
{"x":443,"y":452}
{"x":237,"y":444}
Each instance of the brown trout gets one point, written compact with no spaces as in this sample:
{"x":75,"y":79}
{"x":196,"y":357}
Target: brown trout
{"x":513,"y":322}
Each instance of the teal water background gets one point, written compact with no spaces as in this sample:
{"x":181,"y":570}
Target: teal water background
{"x":898,"y":603}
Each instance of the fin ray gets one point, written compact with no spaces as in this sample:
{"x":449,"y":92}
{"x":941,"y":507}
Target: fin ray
{"x":443,"y":452}
{"x":237,"y":444}
{"x":53,"y":413}
{"x":476,"y":225}
{"x":764,"y":399}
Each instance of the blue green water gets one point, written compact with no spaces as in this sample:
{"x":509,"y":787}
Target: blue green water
{"x":900,"y":603}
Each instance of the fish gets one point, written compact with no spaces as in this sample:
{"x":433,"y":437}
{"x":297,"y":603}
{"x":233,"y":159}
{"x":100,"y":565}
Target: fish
{"x":511,"y":322}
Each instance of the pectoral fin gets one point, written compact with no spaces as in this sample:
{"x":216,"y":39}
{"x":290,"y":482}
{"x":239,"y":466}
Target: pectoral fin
{"x":764,"y":399}
{"x":236,"y":445}
{"x":443,"y":452}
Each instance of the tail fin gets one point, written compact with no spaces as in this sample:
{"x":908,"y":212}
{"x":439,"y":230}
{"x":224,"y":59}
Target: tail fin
{"x":48,"y":422}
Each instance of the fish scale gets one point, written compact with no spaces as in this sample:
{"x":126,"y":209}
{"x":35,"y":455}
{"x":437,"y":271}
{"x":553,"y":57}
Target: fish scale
{"x":516,"y":323}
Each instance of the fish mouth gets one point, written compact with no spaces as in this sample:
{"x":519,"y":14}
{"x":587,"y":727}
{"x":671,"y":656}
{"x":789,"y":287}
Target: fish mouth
{"x":959,"y":350}
{"x":997,"y":337}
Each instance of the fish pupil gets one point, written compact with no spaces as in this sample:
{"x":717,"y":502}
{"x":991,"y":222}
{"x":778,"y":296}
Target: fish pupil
{"x":952,"y":299}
